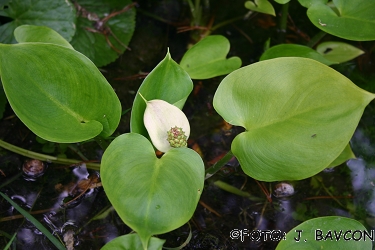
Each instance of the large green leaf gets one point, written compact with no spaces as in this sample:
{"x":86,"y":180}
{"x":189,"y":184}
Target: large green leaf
{"x":299,"y":115}
{"x":103,"y":42}
{"x":133,"y":242}
{"x":59,"y":15}
{"x":57,"y":92}
{"x":151,"y":195}
{"x":207,"y":58}
{"x":338,"y":52}
{"x":331,"y":232}
{"x":352,"y":20}
{"x":168,"y":82}
{"x":293,"y":50}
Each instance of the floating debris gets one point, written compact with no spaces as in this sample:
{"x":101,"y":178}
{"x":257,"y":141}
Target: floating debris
{"x":283,"y":190}
{"x":33,"y":169}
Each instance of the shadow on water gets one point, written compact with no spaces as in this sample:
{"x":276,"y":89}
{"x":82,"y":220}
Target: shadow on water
{"x":70,"y":201}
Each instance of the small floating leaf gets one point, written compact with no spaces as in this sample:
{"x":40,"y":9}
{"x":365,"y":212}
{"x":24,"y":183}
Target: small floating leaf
{"x":207,"y":58}
{"x":293,"y":50}
{"x":338,"y":52}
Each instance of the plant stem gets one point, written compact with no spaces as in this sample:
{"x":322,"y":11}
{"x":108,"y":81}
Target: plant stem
{"x":102,"y":143}
{"x":313,"y":41}
{"x":37,"y":224}
{"x":219,"y":25}
{"x":229,"y":188}
{"x":10,"y":180}
{"x":43,"y":157}
{"x":219,"y":164}
{"x":283,"y":22}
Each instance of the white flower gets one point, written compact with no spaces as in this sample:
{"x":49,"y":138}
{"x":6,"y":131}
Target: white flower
{"x":162,"y":119}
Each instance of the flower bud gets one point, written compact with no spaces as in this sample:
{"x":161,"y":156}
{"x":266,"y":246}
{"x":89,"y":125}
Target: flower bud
{"x":166,"y":125}
{"x":177,"y":137}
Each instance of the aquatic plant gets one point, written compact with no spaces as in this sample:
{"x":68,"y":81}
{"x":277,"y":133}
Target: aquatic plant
{"x":298,"y":115}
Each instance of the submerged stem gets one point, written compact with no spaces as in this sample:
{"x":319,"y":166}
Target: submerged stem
{"x":283,"y":22}
{"x":43,"y":157}
{"x":101,"y":142}
{"x":219,"y":164}
{"x":313,"y":41}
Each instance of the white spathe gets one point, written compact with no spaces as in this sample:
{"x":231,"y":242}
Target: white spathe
{"x":159,"y":117}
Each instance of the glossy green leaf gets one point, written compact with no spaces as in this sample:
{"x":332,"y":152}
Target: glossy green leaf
{"x":103,"y":42}
{"x":338,"y":52}
{"x":151,"y":195}
{"x":262,"y":6}
{"x":352,"y":20}
{"x":168,"y":82}
{"x":133,"y":242}
{"x":32,"y":33}
{"x":299,"y":115}
{"x":345,"y":155}
{"x":293,"y":50}
{"x":57,"y":92}
{"x":59,"y":15}
{"x":331,"y":232}
{"x":207,"y":58}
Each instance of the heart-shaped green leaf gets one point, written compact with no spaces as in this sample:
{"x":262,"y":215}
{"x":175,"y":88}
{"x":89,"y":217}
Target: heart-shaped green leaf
{"x":168,"y":82}
{"x":59,"y":15}
{"x":263,"y":6}
{"x":299,"y":115}
{"x":133,"y":242}
{"x":352,"y":20}
{"x":207,"y":58}
{"x":104,"y":41}
{"x":331,"y":232}
{"x":151,"y":195}
{"x":292,"y":50}
{"x":57,"y":92}
{"x":32,"y":33}
{"x":338,"y":52}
